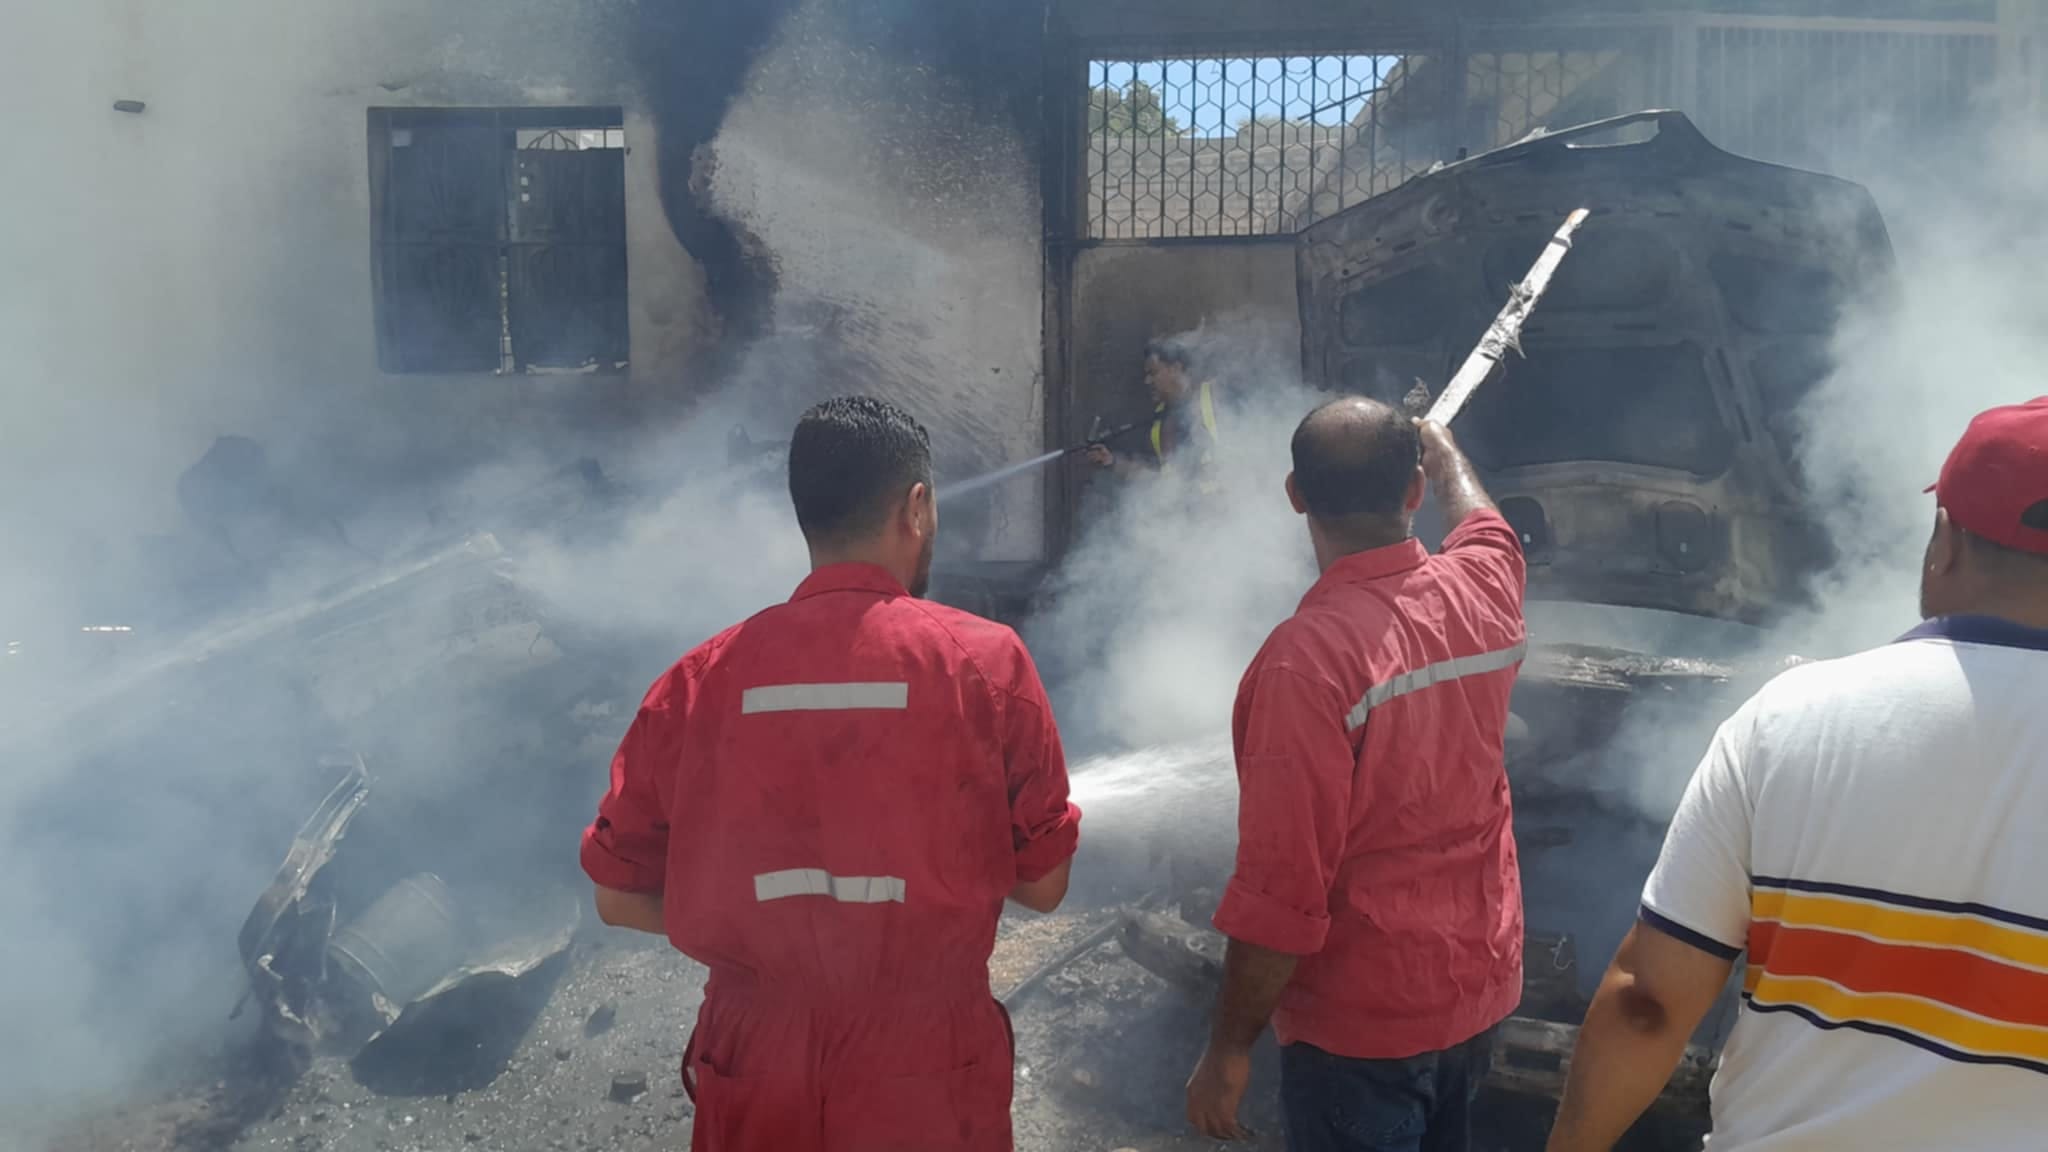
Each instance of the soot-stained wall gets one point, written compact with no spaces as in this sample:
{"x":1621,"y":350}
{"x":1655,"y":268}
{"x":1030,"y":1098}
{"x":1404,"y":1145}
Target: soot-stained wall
{"x":879,"y":171}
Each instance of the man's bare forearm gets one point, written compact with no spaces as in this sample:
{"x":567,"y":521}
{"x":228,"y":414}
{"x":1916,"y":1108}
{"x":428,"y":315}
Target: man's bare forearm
{"x":1635,"y":1033}
{"x":1456,"y":484}
{"x":1253,"y":979}
{"x":1617,"y":1072}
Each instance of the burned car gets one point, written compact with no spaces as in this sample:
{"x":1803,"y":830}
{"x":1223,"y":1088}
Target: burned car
{"x":1644,"y":444}
{"x":1645,"y":441}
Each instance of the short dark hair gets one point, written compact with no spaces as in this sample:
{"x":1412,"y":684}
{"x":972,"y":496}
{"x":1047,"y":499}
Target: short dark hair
{"x":850,"y":460}
{"x":1174,"y":350}
{"x":1355,"y":457}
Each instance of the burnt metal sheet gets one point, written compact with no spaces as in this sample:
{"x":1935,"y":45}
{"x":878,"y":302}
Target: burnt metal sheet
{"x":1646,"y":445}
{"x":284,"y":941}
{"x":329,"y":976}
{"x":497,"y":953}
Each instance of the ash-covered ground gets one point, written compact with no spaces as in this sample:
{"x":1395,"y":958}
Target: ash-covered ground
{"x":1103,"y":1049}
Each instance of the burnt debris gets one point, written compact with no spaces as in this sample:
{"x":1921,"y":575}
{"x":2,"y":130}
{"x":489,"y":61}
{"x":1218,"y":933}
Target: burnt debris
{"x":332,"y":977}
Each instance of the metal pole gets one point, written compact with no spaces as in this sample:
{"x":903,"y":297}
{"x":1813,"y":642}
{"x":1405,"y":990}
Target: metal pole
{"x":1506,"y":330}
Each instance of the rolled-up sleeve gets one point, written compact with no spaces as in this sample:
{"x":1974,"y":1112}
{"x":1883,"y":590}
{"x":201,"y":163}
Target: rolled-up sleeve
{"x":1700,"y":891}
{"x":1295,"y":770}
{"x":1485,"y":545}
{"x":626,"y":847}
{"x":1045,"y":827}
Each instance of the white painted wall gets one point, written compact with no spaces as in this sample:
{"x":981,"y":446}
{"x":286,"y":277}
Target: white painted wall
{"x":204,"y":267}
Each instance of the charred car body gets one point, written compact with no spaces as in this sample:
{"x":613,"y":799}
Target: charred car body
{"x":1644,"y":446}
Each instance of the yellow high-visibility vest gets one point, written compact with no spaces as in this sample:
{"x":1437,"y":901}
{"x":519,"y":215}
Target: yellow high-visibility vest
{"x":1208,"y":403}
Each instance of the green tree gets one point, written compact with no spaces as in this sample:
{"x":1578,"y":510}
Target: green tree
{"x":1136,"y":112}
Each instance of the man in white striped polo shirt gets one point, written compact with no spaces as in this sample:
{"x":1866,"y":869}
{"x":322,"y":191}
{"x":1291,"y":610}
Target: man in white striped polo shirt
{"x":1871,"y":831}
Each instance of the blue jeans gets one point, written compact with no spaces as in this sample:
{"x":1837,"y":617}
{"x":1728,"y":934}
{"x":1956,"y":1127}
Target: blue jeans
{"x":1420,"y":1104}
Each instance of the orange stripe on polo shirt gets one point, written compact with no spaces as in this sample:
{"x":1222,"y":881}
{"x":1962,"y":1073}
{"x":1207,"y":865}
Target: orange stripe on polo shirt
{"x":1972,"y":983}
{"x":1763,"y":936}
{"x":1964,"y":981}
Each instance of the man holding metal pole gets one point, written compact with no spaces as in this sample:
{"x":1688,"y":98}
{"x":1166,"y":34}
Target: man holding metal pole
{"x":1375,"y":914}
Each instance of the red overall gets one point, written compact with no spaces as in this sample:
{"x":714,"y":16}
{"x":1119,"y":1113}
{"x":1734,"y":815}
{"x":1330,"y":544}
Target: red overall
{"x":835,"y":797}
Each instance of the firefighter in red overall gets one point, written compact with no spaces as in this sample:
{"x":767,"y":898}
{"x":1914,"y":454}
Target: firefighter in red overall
{"x":827,"y":805}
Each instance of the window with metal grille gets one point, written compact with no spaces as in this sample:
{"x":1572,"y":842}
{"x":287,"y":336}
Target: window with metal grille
{"x":500,"y":239}
{"x":1249,"y":146}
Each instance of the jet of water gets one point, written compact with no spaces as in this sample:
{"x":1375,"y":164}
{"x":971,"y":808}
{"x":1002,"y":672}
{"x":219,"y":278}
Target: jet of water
{"x":989,"y":479}
{"x":1141,"y":809}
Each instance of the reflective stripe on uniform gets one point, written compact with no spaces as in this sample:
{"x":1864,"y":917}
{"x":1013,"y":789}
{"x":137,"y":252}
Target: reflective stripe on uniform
{"x":825,"y":698}
{"x":1440,"y":673}
{"x":818,"y":882}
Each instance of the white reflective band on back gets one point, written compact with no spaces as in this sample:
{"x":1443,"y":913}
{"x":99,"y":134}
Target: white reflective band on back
{"x":818,"y":882}
{"x":1442,"y":673}
{"x":825,"y":698}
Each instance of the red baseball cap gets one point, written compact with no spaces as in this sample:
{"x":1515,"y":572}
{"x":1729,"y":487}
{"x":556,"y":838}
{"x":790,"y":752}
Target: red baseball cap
{"x":1995,"y":484}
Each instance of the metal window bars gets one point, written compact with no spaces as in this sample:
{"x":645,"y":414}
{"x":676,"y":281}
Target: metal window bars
{"x":1240,"y":145}
{"x":1243,"y":145}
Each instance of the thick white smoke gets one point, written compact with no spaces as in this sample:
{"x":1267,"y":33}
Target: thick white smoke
{"x":1913,"y":362}
{"x":1911,"y":371}
{"x":1172,"y":586}
{"x":127,"y":862}
{"x":151,"y":287}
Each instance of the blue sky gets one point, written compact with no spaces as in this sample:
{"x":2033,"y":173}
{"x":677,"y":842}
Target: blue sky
{"x":1210,"y":97}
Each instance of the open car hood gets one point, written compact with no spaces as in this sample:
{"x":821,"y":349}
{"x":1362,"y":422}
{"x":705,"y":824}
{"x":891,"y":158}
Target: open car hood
{"x":1646,"y":444}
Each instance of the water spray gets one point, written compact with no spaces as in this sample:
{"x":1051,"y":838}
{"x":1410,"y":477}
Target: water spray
{"x":989,"y":479}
